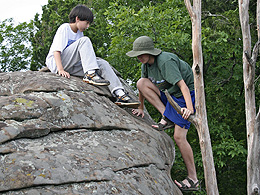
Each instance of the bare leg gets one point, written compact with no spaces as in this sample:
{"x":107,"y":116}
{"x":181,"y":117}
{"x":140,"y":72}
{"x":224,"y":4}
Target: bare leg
{"x":186,"y":152}
{"x":151,"y":93}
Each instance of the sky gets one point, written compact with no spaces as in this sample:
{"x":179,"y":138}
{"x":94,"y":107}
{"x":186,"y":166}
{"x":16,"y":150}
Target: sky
{"x":20,"y":10}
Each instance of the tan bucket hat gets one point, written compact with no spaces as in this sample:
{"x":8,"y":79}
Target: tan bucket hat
{"x":143,"y":45}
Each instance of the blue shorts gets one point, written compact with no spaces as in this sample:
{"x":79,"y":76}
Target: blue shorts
{"x":172,"y":114}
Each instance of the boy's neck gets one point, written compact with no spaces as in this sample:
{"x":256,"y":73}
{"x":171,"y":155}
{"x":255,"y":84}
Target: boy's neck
{"x":74,"y":27}
{"x":151,"y":60}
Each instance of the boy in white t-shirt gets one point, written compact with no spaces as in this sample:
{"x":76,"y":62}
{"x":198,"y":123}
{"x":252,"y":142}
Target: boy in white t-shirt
{"x":72,"y":53}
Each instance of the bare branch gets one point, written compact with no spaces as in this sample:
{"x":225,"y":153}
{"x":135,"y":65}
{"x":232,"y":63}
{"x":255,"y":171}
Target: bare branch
{"x":206,"y":66}
{"x":208,"y":14}
{"x":258,"y":115}
{"x":191,"y":118}
{"x":255,"y":52}
{"x":189,"y":7}
{"x":252,"y":59}
{"x":256,"y":79}
{"x":248,"y":57}
{"x":222,"y":83}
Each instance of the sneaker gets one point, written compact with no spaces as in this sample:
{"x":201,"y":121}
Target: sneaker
{"x":95,"y":79}
{"x":125,"y":100}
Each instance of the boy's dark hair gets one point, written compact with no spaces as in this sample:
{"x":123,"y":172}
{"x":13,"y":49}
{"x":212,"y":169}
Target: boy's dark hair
{"x":83,"y":13}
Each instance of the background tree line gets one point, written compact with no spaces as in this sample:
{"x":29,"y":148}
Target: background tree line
{"x":118,"y":23}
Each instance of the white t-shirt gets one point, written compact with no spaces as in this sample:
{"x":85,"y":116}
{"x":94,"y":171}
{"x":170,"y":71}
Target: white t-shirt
{"x":62,"y":39}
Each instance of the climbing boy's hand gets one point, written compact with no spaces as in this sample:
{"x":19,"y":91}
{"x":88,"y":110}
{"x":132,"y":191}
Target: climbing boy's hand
{"x":186,"y":113}
{"x":138,"y":112}
{"x":64,"y":73}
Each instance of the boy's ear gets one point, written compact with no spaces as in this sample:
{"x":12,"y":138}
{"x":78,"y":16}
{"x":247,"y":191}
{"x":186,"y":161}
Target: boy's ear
{"x":77,"y":18}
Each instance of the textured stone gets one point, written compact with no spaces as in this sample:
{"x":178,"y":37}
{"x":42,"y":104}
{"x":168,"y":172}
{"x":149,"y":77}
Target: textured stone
{"x":63,"y":136}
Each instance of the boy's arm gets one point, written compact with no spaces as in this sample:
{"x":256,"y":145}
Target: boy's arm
{"x":57,"y":58}
{"x":141,"y":99}
{"x":186,"y":112}
{"x":140,"y":110}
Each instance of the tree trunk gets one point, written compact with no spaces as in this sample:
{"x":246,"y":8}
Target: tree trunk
{"x":254,"y":161}
{"x":258,"y":19}
{"x":248,"y":71}
{"x":256,"y":146}
{"x":200,"y":121}
{"x":252,"y":122}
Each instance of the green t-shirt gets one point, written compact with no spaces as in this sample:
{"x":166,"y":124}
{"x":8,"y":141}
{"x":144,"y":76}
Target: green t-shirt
{"x":167,"y":71}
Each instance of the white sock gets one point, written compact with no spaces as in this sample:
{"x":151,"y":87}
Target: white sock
{"x":91,"y":71}
{"x":119,"y":92}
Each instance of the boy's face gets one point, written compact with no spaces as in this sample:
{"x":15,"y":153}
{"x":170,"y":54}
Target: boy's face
{"x":82,"y":25}
{"x":144,"y":58}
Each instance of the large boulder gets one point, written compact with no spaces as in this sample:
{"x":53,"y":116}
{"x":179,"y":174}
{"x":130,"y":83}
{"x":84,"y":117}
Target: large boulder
{"x":63,"y":136}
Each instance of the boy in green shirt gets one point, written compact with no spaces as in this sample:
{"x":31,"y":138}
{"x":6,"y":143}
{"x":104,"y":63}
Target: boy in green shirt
{"x":161,"y":71}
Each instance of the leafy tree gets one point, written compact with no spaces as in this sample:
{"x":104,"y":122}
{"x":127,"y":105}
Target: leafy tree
{"x":15,"y":50}
{"x":166,"y":22}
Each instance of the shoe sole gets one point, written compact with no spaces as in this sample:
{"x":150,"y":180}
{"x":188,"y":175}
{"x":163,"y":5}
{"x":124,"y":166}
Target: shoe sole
{"x":130,"y":105}
{"x":94,"y":83}
{"x":168,"y":126}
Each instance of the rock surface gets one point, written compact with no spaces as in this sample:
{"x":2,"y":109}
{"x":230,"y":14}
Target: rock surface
{"x":63,"y":136}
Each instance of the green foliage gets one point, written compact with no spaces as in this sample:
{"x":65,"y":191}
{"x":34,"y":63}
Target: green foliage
{"x":98,"y":32}
{"x":15,"y":47}
{"x":218,"y":6}
{"x":166,"y":22}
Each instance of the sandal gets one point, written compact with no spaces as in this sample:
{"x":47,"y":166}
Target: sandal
{"x":185,"y":188}
{"x":169,"y":124}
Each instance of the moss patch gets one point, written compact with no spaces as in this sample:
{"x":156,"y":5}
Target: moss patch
{"x":23,"y":101}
